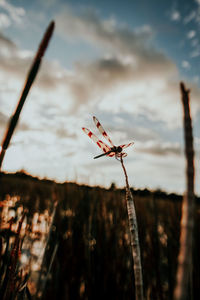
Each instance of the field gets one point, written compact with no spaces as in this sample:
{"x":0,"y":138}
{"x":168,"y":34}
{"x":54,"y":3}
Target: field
{"x":83,"y":236}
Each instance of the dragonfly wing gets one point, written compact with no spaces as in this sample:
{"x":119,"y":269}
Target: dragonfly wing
{"x":126,"y":145}
{"x":102,"y":131}
{"x":95,"y":139}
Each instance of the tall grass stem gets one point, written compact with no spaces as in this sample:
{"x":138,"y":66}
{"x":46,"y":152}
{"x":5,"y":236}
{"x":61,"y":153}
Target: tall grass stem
{"x":134,"y":239}
{"x":187,"y":221}
{"x":28,"y":83}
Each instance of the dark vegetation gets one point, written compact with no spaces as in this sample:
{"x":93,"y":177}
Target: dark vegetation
{"x":88,"y":255}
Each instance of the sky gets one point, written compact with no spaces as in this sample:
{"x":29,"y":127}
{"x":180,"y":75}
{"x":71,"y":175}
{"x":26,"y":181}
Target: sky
{"x":119,"y":61}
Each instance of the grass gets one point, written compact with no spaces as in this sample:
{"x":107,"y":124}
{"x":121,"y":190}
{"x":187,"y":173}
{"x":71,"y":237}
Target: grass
{"x":93,"y":257}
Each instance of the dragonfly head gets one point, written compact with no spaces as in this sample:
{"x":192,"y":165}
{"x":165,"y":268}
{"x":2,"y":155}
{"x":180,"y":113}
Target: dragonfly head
{"x":119,"y":149}
{"x":116,"y":149}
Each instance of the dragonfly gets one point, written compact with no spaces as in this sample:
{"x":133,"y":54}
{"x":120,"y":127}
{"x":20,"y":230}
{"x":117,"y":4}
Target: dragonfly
{"x":111,"y":150}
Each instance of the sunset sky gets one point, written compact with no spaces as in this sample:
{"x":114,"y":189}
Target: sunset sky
{"x":121,"y":61}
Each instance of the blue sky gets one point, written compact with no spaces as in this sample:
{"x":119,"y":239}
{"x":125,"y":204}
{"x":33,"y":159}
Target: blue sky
{"x":121,"y":62}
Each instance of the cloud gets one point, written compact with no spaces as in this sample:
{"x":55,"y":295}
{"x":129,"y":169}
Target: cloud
{"x":131,"y":53}
{"x":145,"y":78}
{"x":109,"y":35}
{"x":195,"y":53}
{"x":14,"y":13}
{"x":196,"y":79}
{"x":161,"y":149}
{"x":194,"y":42}
{"x":3,"y":119}
{"x":122,"y":86}
{"x":64,"y":133}
{"x":185,"y":64}
{"x":191,"y":16}
{"x":6,"y":42}
{"x":16,"y":62}
{"x":124,"y":133}
{"x":4,"y":21}
{"x":12,"y":60}
{"x":175,"y":15}
{"x":191,"y":34}
{"x":130,"y":75}
{"x":132,"y":60}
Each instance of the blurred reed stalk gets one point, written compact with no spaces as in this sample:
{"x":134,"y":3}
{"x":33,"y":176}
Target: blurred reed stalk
{"x":134,"y":239}
{"x":29,"y":81}
{"x":9,"y":283}
{"x":45,"y":270}
{"x":187,"y":221}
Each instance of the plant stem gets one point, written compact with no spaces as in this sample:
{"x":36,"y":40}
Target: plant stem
{"x":187,"y":220}
{"x":134,"y":239}
{"x":29,"y":81}
{"x":9,"y":280}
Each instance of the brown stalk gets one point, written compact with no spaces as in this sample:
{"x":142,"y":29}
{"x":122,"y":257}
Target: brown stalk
{"x":187,"y":221}
{"x":29,"y":81}
{"x":134,"y":239}
{"x":11,"y":269}
{"x":41,"y":283}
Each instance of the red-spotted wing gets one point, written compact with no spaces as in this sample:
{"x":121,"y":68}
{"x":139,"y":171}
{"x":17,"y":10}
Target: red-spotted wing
{"x":102,"y":131}
{"x":108,"y":151}
{"x":95,"y":139}
{"x":126,"y":145}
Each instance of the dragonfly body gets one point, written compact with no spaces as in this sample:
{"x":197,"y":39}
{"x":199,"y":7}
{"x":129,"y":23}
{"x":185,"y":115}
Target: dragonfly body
{"x":114,"y":149}
{"x":108,"y":151}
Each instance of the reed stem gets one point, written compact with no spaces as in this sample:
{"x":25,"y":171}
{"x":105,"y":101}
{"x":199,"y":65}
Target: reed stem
{"x":134,"y":239}
{"x":187,"y":221}
{"x":28,"y":83}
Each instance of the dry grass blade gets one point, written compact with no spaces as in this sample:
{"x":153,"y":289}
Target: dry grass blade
{"x":29,"y":81}
{"x":187,"y":221}
{"x":134,"y":239}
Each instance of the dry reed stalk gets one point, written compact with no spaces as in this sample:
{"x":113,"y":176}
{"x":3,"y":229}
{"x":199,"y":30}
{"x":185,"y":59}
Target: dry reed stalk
{"x":187,"y":221}
{"x":43,"y":272}
{"x":134,"y":239}
{"x":10,"y":277}
{"x":29,"y":81}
